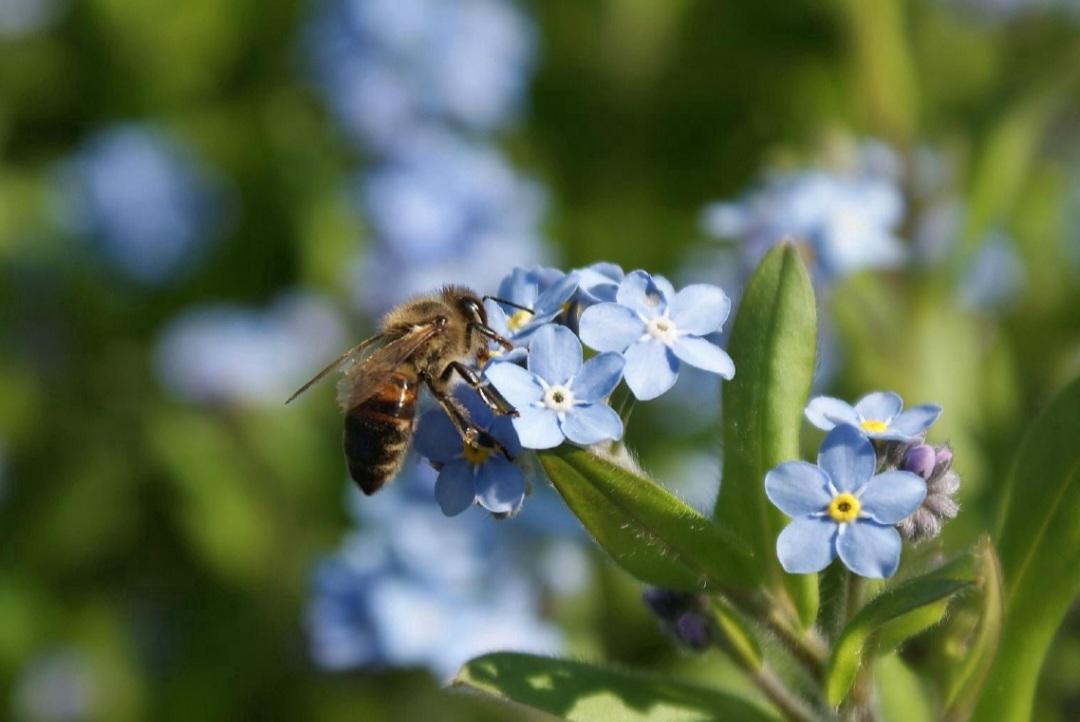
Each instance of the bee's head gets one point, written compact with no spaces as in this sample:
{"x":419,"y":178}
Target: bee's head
{"x":471,"y":306}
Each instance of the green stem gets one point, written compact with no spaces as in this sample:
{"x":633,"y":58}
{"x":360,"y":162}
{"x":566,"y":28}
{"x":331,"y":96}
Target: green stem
{"x":858,"y":707}
{"x":793,"y":708}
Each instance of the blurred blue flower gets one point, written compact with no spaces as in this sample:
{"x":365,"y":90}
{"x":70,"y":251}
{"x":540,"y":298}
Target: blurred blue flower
{"x":468,"y":474}
{"x":994,"y":277}
{"x":848,"y":221}
{"x":559,"y":397}
{"x":25,"y":17}
{"x":59,"y":685}
{"x":839,"y":508}
{"x":145,"y":198}
{"x":876,"y":415}
{"x":390,"y":66}
{"x":224,"y":353}
{"x":655,"y":328}
{"x":440,"y":209}
{"x":411,"y":587}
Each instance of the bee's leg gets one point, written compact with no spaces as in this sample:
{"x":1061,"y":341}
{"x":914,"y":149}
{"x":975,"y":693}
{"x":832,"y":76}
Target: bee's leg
{"x":491,"y":335}
{"x":470,"y":433}
{"x":491,"y":397}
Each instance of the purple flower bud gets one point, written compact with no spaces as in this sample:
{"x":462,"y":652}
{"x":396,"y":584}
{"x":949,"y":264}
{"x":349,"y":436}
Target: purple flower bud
{"x":920,"y":459}
{"x":943,"y":460}
{"x":667,"y":604}
{"x":692,"y":629}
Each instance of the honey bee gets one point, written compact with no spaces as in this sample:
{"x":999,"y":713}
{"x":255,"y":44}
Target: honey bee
{"x":425,"y":341}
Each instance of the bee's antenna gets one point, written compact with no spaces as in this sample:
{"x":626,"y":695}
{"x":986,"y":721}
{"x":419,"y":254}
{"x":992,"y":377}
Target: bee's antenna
{"x":503,"y":301}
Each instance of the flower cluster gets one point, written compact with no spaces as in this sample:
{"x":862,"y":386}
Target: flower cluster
{"x":409,"y":587}
{"x":847,"y":220}
{"x":422,"y":87}
{"x":144,"y":198}
{"x":641,"y":329}
{"x":208,"y":353}
{"x":875,"y":485}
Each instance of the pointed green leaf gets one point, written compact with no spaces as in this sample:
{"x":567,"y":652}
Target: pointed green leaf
{"x":907,"y":598}
{"x":903,"y":696}
{"x":981,"y":649}
{"x":772,"y":343}
{"x":737,"y":634}
{"x":1039,"y":547}
{"x":650,"y":533}
{"x":581,"y":692}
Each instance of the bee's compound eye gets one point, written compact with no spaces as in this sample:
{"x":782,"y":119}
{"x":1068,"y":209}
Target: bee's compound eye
{"x":474,"y":308}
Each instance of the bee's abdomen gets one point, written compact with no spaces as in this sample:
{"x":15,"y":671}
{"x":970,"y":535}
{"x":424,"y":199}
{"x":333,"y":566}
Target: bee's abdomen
{"x":377,"y":433}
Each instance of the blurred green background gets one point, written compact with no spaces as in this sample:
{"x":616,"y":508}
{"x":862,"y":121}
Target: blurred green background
{"x":156,"y":545}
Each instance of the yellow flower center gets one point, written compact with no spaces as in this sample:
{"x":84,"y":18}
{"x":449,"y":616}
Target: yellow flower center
{"x":476,"y":454}
{"x":844,"y":508}
{"x":874,"y":427}
{"x":519,"y":319}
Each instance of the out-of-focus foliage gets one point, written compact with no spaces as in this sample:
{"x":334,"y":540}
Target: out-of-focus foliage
{"x":203,"y":202}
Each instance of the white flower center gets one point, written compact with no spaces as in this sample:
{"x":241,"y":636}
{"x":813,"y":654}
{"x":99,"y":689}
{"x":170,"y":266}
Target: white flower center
{"x":662,"y":329}
{"x":558,"y":398}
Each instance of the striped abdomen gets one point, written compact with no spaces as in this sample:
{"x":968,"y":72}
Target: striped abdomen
{"x":377,"y":433}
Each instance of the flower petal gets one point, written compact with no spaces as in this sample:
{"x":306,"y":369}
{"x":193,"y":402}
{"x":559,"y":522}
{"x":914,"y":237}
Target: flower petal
{"x":869,"y":549}
{"x":891,"y":496}
{"x":502,"y":430}
{"x":520,"y":287}
{"x":641,"y":294}
{"x":555,"y":354}
{"x":699,"y":352}
{"x":700,"y":309}
{"x":826,"y":412}
{"x":798,"y":488}
{"x":916,"y":420}
{"x":518,"y":386}
{"x":878,"y":406}
{"x":591,"y":424}
{"x":455,"y":489}
{"x":807,"y":545}
{"x":538,"y":428}
{"x":847,"y":457}
{"x":436,"y":437}
{"x":500,"y":485}
{"x":651,"y":369}
{"x":610,"y":327}
{"x":552,"y":300}
{"x":598,"y":377}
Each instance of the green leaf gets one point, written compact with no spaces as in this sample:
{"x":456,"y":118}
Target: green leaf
{"x":982,"y":647}
{"x":649,"y":532}
{"x":1039,"y":547}
{"x":772,"y":343}
{"x":581,"y":692}
{"x":903,"y":696}
{"x":856,"y":640}
{"x":737,"y":634}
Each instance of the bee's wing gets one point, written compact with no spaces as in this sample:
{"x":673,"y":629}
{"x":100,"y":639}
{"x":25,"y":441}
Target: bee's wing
{"x":346,"y":360}
{"x":363,"y":380}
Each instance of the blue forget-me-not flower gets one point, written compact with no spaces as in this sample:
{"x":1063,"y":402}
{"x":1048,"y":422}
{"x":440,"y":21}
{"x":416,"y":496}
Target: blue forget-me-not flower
{"x":468,"y":474}
{"x":656,"y":328}
{"x":559,"y":397}
{"x":387,"y":66}
{"x":441,"y":207}
{"x":410,"y":587}
{"x":539,"y":295}
{"x":849,"y":221}
{"x":877,"y":415}
{"x":840,"y":508}
{"x":144,"y":198}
